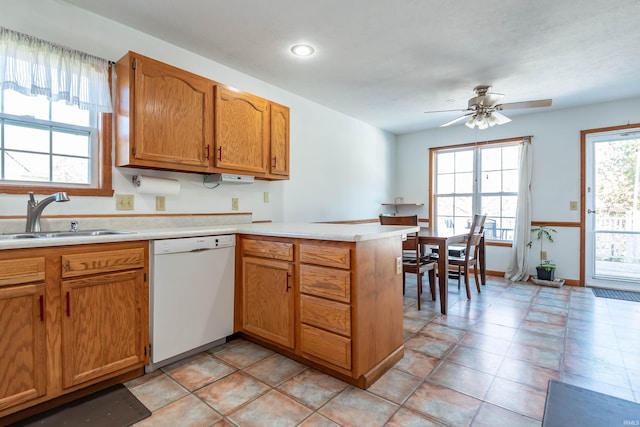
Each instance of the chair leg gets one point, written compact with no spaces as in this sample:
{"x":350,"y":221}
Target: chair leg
{"x":476,"y":276}
{"x":459,"y":277}
{"x":432,"y":283}
{"x":466,"y":282}
{"x":403,"y":283}
{"x":419,"y":286}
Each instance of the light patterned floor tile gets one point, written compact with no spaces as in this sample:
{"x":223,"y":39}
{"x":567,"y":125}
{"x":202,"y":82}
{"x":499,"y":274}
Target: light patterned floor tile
{"x":232,"y":391}
{"x":270,"y":409}
{"x":355,"y":407}
{"x":313,"y":388}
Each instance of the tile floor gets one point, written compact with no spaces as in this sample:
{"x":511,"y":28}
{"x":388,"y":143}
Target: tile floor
{"x":486,"y":363}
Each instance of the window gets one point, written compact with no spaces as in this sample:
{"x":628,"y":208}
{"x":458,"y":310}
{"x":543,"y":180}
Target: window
{"x":55,"y":120}
{"x":476,"y":179}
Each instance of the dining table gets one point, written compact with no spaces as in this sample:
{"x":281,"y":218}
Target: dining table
{"x":430,"y":236}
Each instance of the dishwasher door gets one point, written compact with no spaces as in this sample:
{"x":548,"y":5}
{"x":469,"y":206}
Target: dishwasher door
{"x":191,"y":296}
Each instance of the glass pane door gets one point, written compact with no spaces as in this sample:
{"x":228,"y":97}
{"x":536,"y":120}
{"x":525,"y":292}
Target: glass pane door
{"x":613,"y":210}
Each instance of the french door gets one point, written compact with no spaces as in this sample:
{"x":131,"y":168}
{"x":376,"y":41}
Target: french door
{"x":612,"y":208}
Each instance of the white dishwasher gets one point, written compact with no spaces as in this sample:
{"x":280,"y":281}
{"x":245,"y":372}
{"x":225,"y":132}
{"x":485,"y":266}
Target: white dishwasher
{"x":191,"y":296}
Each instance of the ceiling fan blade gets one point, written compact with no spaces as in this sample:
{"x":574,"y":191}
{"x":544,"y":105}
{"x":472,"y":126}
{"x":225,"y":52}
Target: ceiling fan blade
{"x":445,"y":111}
{"x":500,"y":118}
{"x":525,"y":104}
{"x":456,"y":120}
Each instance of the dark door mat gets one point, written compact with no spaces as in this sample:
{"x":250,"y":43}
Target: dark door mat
{"x":613,"y":294}
{"x":112,"y":407}
{"x":569,"y":405}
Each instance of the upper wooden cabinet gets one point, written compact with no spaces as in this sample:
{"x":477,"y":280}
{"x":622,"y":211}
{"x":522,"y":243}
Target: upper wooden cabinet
{"x":163,"y":116}
{"x":241,"y":131}
{"x":168,"y":118}
{"x":279,"y":138}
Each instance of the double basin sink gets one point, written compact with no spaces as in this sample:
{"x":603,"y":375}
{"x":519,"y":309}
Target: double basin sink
{"x":57,"y":234}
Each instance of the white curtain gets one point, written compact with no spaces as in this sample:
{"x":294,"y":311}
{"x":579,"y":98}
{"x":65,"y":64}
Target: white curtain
{"x":36,"y":67}
{"x":519,"y":263}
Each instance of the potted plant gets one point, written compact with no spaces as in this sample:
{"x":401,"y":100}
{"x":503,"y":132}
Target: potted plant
{"x":545,"y":269}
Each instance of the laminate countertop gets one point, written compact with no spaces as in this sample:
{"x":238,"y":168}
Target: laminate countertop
{"x":318,"y":231}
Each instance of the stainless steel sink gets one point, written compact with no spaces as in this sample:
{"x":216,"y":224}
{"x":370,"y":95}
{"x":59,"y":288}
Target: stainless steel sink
{"x":57,"y":234}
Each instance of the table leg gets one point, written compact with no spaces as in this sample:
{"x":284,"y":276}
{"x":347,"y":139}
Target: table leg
{"x":443,"y":275}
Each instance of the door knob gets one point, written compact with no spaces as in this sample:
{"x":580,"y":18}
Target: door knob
{"x":590,"y":211}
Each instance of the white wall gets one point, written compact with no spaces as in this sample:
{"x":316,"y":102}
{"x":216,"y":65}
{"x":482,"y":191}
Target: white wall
{"x":556,"y":168}
{"x":341,"y":168}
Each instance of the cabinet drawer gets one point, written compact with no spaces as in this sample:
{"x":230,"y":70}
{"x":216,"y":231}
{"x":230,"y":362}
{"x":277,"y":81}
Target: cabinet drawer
{"x":22,"y":270}
{"x":325,"y":314}
{"x":326,"y":282}
{"x":326,"y":346}
{"x":101,"y":262}
{"x":327,"y":255}
{"x":268,"y":249}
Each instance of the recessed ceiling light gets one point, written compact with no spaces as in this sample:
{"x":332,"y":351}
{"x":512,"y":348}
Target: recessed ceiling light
{"x":302,"y":49}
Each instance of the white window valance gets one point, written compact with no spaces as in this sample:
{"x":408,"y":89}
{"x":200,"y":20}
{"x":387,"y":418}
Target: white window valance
{"x":33,"y":66}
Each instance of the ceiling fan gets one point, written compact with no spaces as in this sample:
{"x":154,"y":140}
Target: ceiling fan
{"x":483,"y":110}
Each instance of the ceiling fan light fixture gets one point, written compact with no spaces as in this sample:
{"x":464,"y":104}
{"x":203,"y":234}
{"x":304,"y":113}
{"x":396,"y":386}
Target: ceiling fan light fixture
{"x":471,"y":123}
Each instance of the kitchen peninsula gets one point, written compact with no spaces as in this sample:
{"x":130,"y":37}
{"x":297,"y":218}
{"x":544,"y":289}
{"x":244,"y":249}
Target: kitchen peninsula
{"x":327,"y":295}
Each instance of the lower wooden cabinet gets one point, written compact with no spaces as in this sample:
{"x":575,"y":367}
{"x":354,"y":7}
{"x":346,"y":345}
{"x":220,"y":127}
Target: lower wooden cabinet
{"x":268,"y":298}
{"x":22,"y":344}
{"x":71,"y":317}
{"x":334,"y":305}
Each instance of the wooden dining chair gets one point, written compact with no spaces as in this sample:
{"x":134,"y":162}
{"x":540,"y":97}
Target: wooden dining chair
{"x":413,"y":259}
{"x":470,"y":257}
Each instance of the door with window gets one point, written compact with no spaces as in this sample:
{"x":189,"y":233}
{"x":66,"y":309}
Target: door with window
{"x":612,"y":209}
{"x":476,"y":179}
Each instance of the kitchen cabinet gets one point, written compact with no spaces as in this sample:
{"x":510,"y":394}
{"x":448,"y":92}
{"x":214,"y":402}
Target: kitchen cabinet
{"x":170,"y":119}
{"x":23,"y":355}
{"x":91,"y":304}
{"x":241,"y":131}
{"x":279,"y":139}
{"x":104,"y":298}
{"x":346,"y":314}
{"x":267,"y":278}
{"x":164,"y":116}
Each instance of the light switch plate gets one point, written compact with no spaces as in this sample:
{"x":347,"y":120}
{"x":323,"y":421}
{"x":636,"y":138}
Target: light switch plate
{"x":399,"y":265}
{"x":234,"y":204}
{"x":124,"y":202}
{"x":573,"y":205}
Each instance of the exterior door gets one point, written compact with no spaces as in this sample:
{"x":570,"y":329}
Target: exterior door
{"x":612,"y":209}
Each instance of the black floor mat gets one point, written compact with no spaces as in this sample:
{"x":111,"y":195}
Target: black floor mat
{"x":569,"y":405}
{"x":112,"y":407}
{"x":613,"y":294}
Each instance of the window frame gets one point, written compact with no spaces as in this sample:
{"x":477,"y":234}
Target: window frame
{"x":476,"y":191}
{"x":104,"y":176}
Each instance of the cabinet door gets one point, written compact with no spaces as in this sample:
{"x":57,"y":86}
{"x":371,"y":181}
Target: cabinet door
{"x":268,"y":300}
{"x":279,"y":140}
{"x":241,"y":131}
{"x":22,"y":344}
{"x":172,"y":116}
{"x":101,"y":325}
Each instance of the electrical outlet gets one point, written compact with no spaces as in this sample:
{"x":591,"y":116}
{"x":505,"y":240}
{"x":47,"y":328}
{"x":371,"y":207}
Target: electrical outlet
{"x":543,"y":255}
{"x":124,"y":202}
{"x":266,"y":197}
{"x":234,"y":204}
{"x":161,"y":203}
{"x":573,"y":205}
{"x":399,"y":265}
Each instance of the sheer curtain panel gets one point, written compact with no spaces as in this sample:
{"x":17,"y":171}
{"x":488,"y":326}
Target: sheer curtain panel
{"x":37,"y":67}
{"x":519,"y":264}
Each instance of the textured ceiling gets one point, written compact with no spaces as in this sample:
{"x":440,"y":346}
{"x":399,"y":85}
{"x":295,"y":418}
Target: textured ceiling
{"x":387,"y":61}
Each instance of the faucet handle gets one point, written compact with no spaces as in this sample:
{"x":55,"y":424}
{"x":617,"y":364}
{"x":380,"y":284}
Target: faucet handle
{"x":74,"y":226}
{"x":32,"y":199}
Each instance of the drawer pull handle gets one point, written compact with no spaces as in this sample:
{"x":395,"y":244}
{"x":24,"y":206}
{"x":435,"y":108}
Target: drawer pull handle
{"x":42,"y":308}
{"x":220,"y":153}
{"x":207,"y":155}
{"x":68,"y":298}
{"x":274,"y":162}
{"x":288,"y":286}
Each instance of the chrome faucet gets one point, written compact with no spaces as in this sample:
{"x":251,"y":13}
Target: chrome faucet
{"x":34,"y":209}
